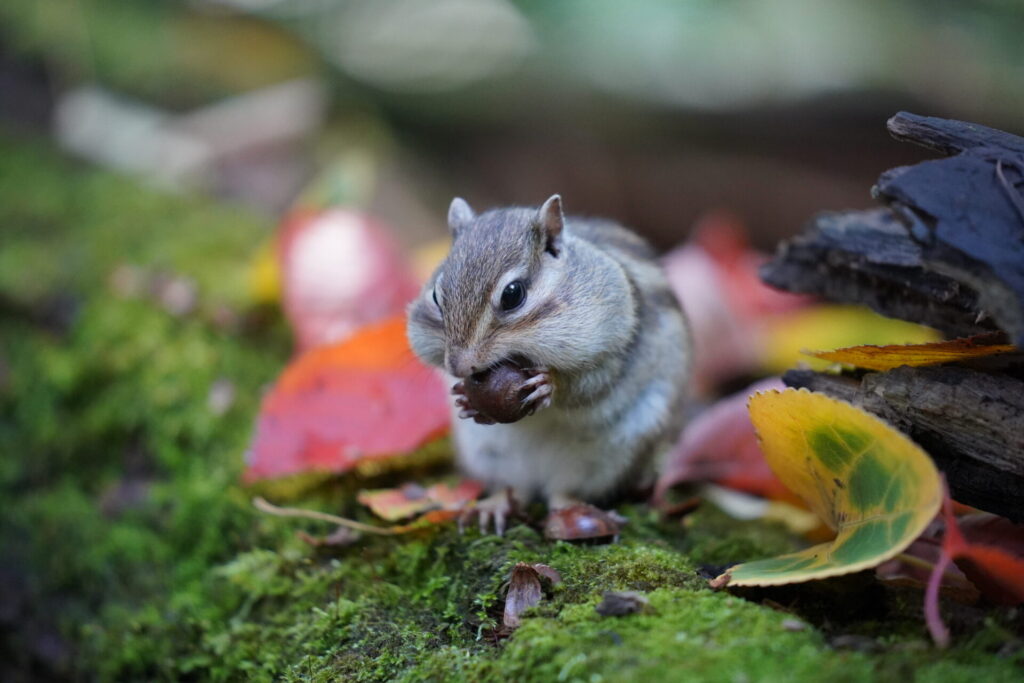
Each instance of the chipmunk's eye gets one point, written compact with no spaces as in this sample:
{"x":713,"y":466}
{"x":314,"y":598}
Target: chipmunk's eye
{"x":513,"y":295}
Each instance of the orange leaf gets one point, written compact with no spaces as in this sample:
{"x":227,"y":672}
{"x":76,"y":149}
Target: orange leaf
{"x":411,"y":499}
{"x":366,"y":398}
{"x":893,"y":356}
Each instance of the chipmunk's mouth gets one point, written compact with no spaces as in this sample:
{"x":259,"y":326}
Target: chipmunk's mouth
{"x":518,"y":361}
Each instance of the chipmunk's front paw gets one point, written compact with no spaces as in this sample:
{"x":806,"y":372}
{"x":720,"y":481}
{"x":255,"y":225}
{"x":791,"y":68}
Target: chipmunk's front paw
{"x":540,"y":390}
{"x":466,"y":410}
{"x":497,"y":508}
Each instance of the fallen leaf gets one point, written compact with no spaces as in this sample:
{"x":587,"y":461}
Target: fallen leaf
{"x":340,"y":270}
{"x":994,"y":563}
{"x":715,"y":277}
{"x":364,"y":399}
{"x":720,"y":446}
{"x":830,"y":326}
{"x":412,"y":499}
{"x":883,"y":358}
{"x":524,"y":590}
{"x":866,"y":480}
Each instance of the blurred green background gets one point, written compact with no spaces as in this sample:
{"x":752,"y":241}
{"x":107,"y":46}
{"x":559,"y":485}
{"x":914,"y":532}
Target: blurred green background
{"x":651,"y":111}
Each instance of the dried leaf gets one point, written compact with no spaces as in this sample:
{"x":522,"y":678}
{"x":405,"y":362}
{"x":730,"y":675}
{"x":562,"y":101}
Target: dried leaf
{"x":883,"y":358}
{"x":333,"y":408}
{"x":413,"y":499}
{"x":524,"y":592}
{"x":866,"y":480}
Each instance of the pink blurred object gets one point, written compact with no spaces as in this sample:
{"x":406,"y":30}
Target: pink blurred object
{"x":715,"y":277}
{"x":340,"y":270}
{"x":720,"y":446}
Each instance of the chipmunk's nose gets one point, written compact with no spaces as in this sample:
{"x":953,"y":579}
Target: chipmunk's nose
{"x":461,"y":363}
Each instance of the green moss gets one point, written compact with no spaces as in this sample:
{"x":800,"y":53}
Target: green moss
{"x":129,"y":537}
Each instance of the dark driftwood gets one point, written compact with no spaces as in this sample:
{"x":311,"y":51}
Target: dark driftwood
{"x":948,"y":251}
{"x":867,"y":257}
{"x":970,"y":422}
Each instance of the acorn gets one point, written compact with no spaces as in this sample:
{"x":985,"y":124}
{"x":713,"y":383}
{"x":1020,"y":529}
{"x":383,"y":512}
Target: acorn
{"x":498,"y":392}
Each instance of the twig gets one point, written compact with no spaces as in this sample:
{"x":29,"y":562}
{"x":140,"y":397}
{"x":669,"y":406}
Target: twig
{"x":263,"y":506}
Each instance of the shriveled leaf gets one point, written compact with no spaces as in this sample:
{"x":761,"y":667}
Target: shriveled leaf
{"x":524,"y":592}
{"x":413,"y":499}
{"x":893,"y":356}
{"x":866,"y":480}
{"x":720,"y":446}
{"x":364,"y":399}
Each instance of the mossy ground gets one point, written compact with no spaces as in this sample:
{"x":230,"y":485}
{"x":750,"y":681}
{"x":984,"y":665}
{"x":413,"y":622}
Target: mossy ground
{"x":129,"y":550}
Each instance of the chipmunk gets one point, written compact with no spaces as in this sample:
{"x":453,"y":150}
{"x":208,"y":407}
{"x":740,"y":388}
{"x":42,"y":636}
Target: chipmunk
{"x":581,"y":310}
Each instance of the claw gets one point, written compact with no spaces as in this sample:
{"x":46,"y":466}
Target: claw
{"x":540,"y":397}
{"x":496,"y":509}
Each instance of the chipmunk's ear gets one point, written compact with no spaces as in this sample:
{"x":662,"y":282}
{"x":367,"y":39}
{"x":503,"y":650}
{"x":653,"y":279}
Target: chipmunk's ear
{"x":551,"y":222}
{"x":459,"y":215}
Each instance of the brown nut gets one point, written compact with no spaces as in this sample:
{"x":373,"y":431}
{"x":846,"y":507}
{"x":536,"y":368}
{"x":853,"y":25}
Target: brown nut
{"x":582,"y":522}
{"x":498,"y":393}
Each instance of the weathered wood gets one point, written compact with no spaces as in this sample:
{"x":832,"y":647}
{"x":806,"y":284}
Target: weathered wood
{"x":954,"y":234}
{"x":970,"y":422}
{"x":949,"y":136}
{"x":868,"y":257}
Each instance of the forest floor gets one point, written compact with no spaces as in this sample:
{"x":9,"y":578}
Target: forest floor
{"x":129,"y":549}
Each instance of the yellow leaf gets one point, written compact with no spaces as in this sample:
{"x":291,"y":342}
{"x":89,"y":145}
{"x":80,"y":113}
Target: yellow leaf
{"x":893,"y":356}
{"x":829,"y":327}
{"x":866,"y":480}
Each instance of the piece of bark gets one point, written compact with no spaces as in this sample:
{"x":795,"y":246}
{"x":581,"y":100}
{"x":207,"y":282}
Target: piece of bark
{"x":970,"y":422}
{"x":949,"y":252}
{"x":868,"y":257}
{"x":950,"y":136}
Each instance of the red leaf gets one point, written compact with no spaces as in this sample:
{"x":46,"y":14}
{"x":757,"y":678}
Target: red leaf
{"x":720,"y":446}
{"x":715,"y":277}
{"x":993,"y":561}
{"x":336,"y":406}
{"x":340,"y":270}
